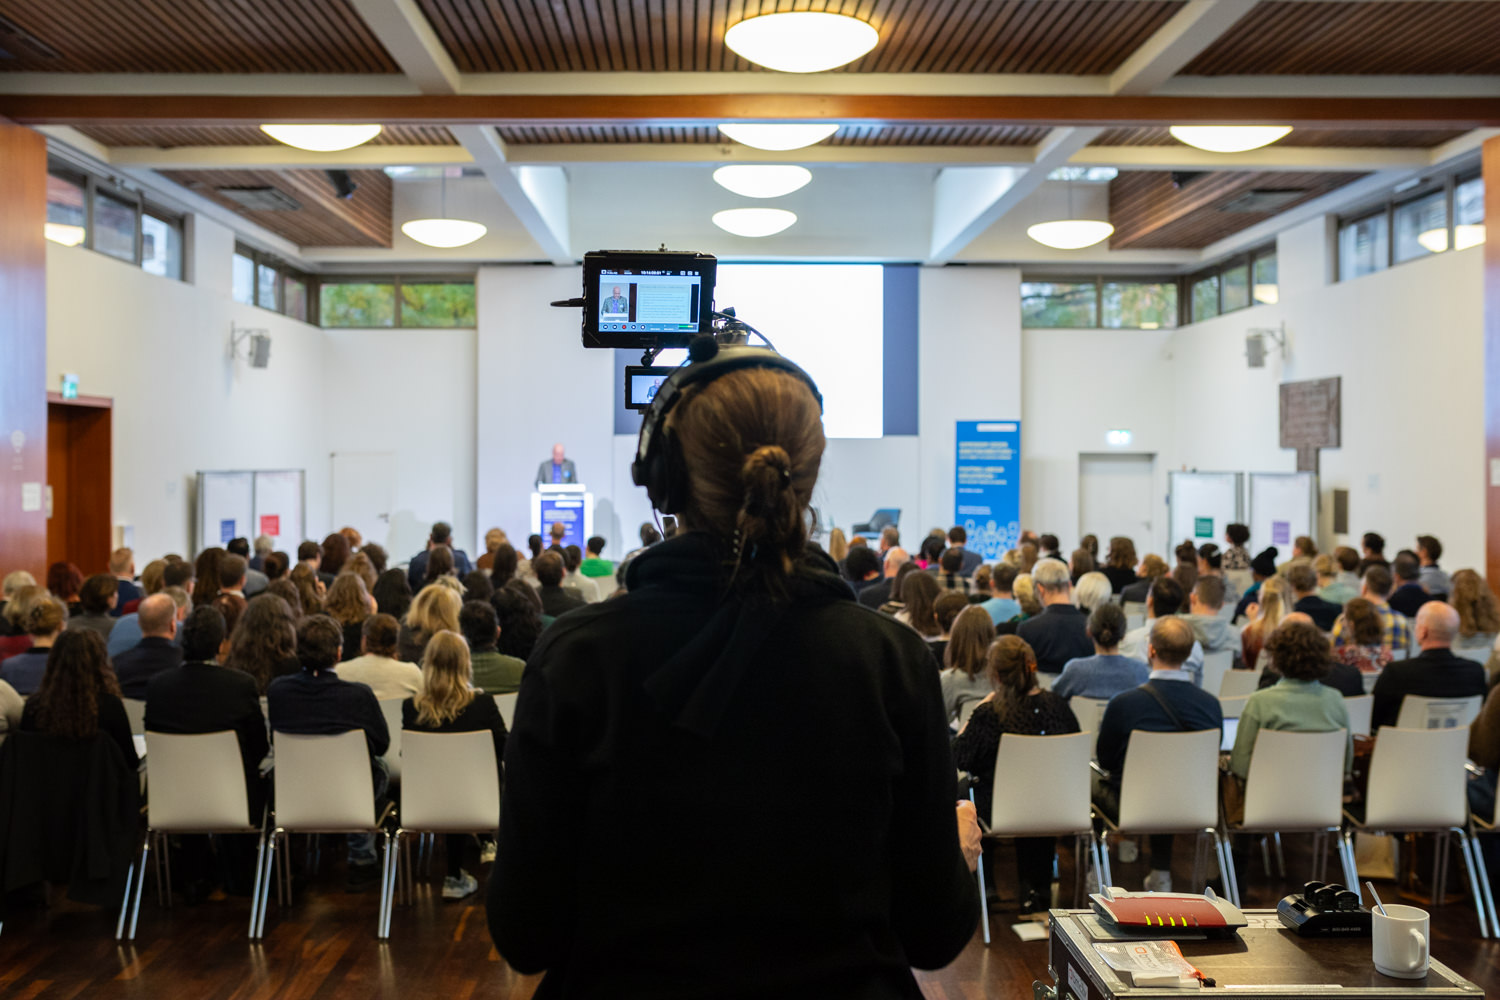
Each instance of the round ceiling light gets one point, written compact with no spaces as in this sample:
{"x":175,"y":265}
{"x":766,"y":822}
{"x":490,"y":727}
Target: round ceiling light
{"x":322,"y":138}
{"x":802,"y":41}
{"x":754,"y":222}
{"x":777,"y":136}
{"x":756,"y":180}
{"x":1229,"y":138}
{"x":443,"y":233}
{"x":1464,"y":236}
{"x":1070,"y":234}
{"x":61,"y":232}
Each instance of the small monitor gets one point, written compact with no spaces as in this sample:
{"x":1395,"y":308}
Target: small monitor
{"x":646,"y":299}
{"x":642,"y":384}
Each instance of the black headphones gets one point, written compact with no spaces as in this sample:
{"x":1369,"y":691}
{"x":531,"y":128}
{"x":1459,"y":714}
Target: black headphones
{"x":658,"y":462}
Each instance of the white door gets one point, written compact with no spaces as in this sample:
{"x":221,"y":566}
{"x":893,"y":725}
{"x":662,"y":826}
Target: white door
{"x":1116,"y":497}
{"x":363,"y":488}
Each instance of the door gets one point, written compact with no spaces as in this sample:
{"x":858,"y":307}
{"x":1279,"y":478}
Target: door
{"x":79,"y":459}
{"x":363,"y":489}
{"x":1116,"y":497}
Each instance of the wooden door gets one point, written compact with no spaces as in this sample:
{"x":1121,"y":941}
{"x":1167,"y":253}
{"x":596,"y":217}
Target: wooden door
{"x":79,"y":472}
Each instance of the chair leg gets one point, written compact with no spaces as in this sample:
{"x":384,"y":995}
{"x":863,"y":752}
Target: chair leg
{"x":1346,"y":858}
{"x":135,"y":882}
{"x":1469,"y":849}
{"x":1484,"y":883}
{"x":1280,"y":858}
{"x":265,"y":885}
{"x":163,"y":893}
{"x":1106,"y":877}
{"x":383,"y":918}
{"x":256,"y":900}
{"x":1101,"y":859}
{"x":125,"y":901}
{"x":1265,"y":854}
{"x":1078,"y":865}
{"x":984,"y":910}
{"x":164,"y":845}
{"x":1437,"y":869}
{"x":1226,"y":867}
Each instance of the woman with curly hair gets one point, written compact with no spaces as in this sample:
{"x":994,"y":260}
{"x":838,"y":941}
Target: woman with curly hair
{"x":1478,"y":614}
{"x":1299,"y":701}
{"x":1363,"y":637}
{"x":79,"y":696}
{"x":265,"y":643}
{"x":349,"y":604}
{"x":1119,"y":564}
{"x":360,"y":564}
{"x":43,"y":617}
{"x":311,"y":589}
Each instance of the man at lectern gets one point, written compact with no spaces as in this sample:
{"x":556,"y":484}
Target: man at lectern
{"x":559,"y":470}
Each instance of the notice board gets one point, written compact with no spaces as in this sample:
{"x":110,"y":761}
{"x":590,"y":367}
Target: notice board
{"x":987,"y":485}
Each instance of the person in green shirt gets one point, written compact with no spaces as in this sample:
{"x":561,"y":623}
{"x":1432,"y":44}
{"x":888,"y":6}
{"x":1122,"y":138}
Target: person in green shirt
{"x":594,"y":567}
{"x":494,"y":672}
{"x":1298,"y":701}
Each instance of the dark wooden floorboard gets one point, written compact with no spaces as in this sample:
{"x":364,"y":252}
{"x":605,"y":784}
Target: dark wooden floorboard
{"x":324,"y":948}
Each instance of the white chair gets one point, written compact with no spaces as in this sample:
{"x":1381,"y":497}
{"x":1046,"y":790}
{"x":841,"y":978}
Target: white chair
{"x":1477,"y":653}
{"x":1419,"y":712}
{"x":135,"y":711}
{"x":506,"y":703}
{"x":391,"y":709}
{"x":1045,"y":681}
{"x":452,"y":786}
{"x":1296,"y":785}
{"x":1240,"y":683}
{"x":1088,"y":711}
{"x":1171,"y":785}
{"x":323,"y":785}
{"x":1418,"y":784}
{"x":1400,"y":654}
{"x":966,"y":709}
{"x":1490,"y":826}
{"x":1215,"y":667}
{"x":1041,"y":789}
{"x":197,"y":786}
{"x":1360,"y":710}
{"x":1232,"y":708}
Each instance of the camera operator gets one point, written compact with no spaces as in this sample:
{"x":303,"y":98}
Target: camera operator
{"x":732,"y":780}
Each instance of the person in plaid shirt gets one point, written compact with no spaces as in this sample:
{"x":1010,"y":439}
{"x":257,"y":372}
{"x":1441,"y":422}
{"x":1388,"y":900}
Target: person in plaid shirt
{"x":1395,"y":628}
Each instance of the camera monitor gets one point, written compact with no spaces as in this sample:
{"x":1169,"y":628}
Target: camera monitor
{"x":646,"y":299}
{"x":642,"y":384}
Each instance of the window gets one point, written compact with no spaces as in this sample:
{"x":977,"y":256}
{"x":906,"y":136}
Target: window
{"x":244,"y":279}
{"x":1468,"y":204}
{"x":1363,"y":248}
{"x":266,"y":280}
{"x":394,"y":302}
{"x":67,"y":212}
{"x":114,"y":227}
{"x":1421,"y":226}
{"x":161,"y":246}
{"x":1148,"y":305}
{"x":1206,"y":298}
{"x":294,"y":297}
{"x":1264,"y":288}
{"x":85,"y":210}
{"x":263,"y":280}
{"x":1060,"y":304}
{"x":1234,"y":288}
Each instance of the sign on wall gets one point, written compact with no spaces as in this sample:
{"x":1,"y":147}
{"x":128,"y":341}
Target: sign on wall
{"x":987,"y":485}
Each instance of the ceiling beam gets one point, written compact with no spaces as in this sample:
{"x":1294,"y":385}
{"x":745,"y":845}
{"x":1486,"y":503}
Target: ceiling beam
{"x":279,"y":157}
{"x":460,"y":109}
{"x":1330,"y":86}
{"x":1278,"y":158}
{"x":401,"y":28}
{"x":968,"y":200}
{"x":538,"y":200}
{"x":1175,"y":44}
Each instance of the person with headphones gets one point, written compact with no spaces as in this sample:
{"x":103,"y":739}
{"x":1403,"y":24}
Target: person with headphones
{"x":732,"y":779}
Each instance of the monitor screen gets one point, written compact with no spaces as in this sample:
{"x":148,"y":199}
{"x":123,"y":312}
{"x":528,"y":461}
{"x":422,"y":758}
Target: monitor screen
{"x":637,"y":300}
{"x":642,"y":384}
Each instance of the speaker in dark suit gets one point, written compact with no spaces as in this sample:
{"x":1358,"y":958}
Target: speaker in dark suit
{"x":558,"y":469}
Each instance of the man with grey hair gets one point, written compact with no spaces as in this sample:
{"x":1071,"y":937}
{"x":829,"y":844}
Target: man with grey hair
{"x":1060,"y":632}
{"x":1436,"y":673}
{"x":877,"y":594}
{"x":264,"y":546}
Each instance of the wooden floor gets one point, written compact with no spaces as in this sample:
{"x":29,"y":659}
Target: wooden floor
{"x":324,"y":946}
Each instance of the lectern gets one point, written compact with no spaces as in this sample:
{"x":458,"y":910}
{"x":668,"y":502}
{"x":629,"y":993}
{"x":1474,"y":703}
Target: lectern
{"x":570,"y":504}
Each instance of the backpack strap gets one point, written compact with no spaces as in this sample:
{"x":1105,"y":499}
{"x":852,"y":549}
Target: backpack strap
{"x":1166,"y":706}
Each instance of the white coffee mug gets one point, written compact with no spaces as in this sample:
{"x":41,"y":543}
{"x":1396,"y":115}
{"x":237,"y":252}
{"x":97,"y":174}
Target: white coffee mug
{"x":1400,"y":940}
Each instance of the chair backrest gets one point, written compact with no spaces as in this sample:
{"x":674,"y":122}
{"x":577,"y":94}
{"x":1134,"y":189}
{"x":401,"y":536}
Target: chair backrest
{"x":1135,"y":615}
{"x":323,"y":783}
{"x":452,"y":782}
{"x":197,"y":783}
{"x":1419,"y":712}
{"x":1045,"y":681}
{"x":1479,"y":653}
{"x":1232,"y":708}
{"x":1171,"y":782}
{"x":1296,"y":781}
{"x":1239,"y":683}
{"x":506,"y":703}
{"x":1088,"y":712}
{"x":1417,"y":779}
{"x":1042,"y":785}
{"x":391,"y":709}
{"x":1400,"y":653}
{"x":135,"y":711}
{"x":1361,"y":709}
{"x":966,"y":709}
{"x":1215,"y":666}
{"x":1241,"y":579}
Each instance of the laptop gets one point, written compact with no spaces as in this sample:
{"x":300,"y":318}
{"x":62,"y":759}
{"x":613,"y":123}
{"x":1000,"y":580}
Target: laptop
{"x":1231,"y":728}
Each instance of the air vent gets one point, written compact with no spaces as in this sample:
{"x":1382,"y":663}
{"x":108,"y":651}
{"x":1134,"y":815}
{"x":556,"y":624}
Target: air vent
{"x":261,"y":199}
{"x":1262,"y":201}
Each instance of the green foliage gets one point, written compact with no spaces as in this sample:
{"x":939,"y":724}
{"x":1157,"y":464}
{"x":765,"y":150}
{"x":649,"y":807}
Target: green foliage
{"x":1206,"y":298}
{"x":1149,"y":305}
{"x":449,"y":304}
{"x":1058,"y":304}
{"x":367,"y":305}
{"x":424,"y":304}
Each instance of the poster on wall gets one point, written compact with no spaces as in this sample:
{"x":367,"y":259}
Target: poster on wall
{"x":987,"y":485}
{"x":279,"y":505}
{"x":1283,"y":505}
{"x":1201,"y":504}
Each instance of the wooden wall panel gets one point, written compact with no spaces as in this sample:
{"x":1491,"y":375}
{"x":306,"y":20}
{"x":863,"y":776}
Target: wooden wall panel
{"x":324,"y":219}
{"x":1492,"y":361}
{"x":23,"y":347}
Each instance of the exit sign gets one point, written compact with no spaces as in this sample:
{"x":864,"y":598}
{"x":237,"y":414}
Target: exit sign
{"x":69,"y":386}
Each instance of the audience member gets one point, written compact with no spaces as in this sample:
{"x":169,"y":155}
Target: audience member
{"x":1409,"y":595}
{"x":440,"y":563}
{"x":12,"y":584}
{"x":45,"y":618}
{"x":1358,"y":638}
{"x":392,"y":593}
{"x":1167,"y":598}
{"x":504,"y":567}
{"x":377,"y":556}
{"x":862,"y":568}
{"x":206,"y":576}
{"x":1152,"y":568}
{"x":1106,"y":673}
{"x":1211,"y":564}
{"x":255,"y":580}
{"x":1395,"y":628}
{"x":122,"y":568}
{"x":838,"y":546}
{"x":1015,"y":705}
{"x":1170,"y":701}
{"x":1187,"y":555}
{"x":1374,"y":552}
{"x":1433,"y":579}
{"x":949,"y":575}
{"x":435,"y":609}
{"x":898,"y":602}
{"x":353,"y":537}
{"x":1090,"y":544}
{"x":1080,"y":564}
{"x":18,"y":600}
{"x":599,"y":569}
{"x":96,"y":603}
{"x":375,"y":664}
{"x":1435,"y":673}
{"x":572,"y":557}
{"x":876,"y":594}
{"x":1205,"y":616}
{"x":447,"y":703}
{"x":1303,"y":547}
{"x":316,"y":702}
{"x":1236,"y":556}
{"x":1304,"y":581}
{"x":958,"y":538}
{"x":493,"y":539}
{"x":981,"y":590}
{"x":64,"y":580}
{"x":1029,"y":557}
{"x":946,"y":609}
{"x":1092,"y":590}
{"x":1344,"y":584}
{"x":1049,"y":547}
{"x":963,"y":677}
{"x":1003,"y":606}
{"x":232,"y":570}
{"x":156,"y":650}
{"x":335,"y":552}
{"x":288,"y":592}
{"x":11,"y":707}
{"x":557,"y":532}
{"x":265,"y":644}
{"x":1262,"y":568}
{"x":919,"y":593}
{"x":349,"y":604}
{"x":1026,"y":595}
{"x":1478,"y":615}
{"x":519,"y":610}
{"x":1119,"y":564}
{"x":78,"y":697}
{"x":264,"y":546}
{"x":477,"y":586}
{"x":1060,"y":632}
{"x":360,"y":565}
{"x":493,"y":671}
{"x":276,"y":566}
{"x":152,"y":578}
{"x":441,"y":536}
{"x":1484,"y":752}
{"x":556,"y":599}
{"x":310,"y":588}
{"x":1274,"y":602}
{"x":930,"y":552}
{"x":1341,"y":677}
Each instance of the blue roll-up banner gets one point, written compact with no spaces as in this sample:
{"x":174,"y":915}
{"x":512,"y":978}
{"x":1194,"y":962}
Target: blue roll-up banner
{"x":987,"y":485}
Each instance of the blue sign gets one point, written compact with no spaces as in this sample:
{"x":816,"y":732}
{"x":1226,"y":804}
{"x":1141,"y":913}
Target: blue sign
{"x":226,"y":530}
{"x":568,"y":510}
{"x":987,"y":485}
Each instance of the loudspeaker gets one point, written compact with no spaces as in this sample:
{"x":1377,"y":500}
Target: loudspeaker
{"x":1255,"y":350}
{"x":260,"y":350}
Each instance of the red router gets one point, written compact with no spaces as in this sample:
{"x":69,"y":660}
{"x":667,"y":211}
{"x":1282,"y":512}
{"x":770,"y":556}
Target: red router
{"x":1162,"y":913}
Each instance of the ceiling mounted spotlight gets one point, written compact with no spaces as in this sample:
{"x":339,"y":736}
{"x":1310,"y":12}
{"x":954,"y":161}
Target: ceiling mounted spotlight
{"x":802,"y":41}
{"x":754,"y":222}
{"x":756,"y":180}
{"x":777,"y":136}
{"x":1229,"y":138}
{"x":322,"y":138}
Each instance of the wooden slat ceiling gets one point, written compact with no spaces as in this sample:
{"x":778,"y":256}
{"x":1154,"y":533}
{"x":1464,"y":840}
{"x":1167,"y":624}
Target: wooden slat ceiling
{"x":1279,"y":37}
{"x":164,"y":137}
{"x":849,"y":135}
{"x":1346,"y":138}
{"x":189,"y":36}
{"x":324,"y":220}
{"x":1150,"y":212}
{"x":917,"y":36}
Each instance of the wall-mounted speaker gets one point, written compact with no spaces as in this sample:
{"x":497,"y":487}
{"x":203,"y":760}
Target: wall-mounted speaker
{"x":260,"y":350}
{"x":1255,"y":350}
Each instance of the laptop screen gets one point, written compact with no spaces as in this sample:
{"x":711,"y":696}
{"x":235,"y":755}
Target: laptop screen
{"x":1231,"y":727}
